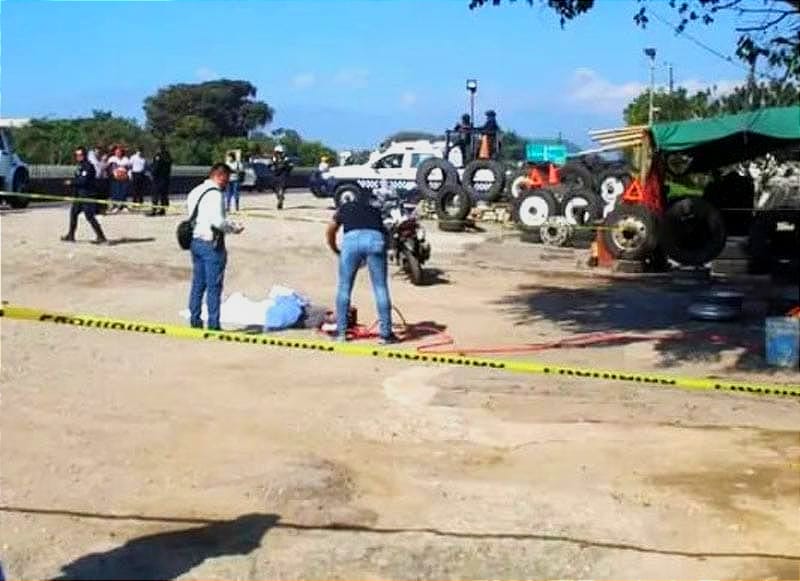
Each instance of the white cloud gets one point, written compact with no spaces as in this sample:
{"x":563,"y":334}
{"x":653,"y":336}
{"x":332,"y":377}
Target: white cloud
{"x":599,"y":95}
{"x":206,"y":74}
{"x":408,"y":99}
{"x":352,"y":78}
{"x":303,"y":80}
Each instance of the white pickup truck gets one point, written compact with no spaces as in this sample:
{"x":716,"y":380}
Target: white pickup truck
{"x":14,"y":175}
{"x":395,"y":164}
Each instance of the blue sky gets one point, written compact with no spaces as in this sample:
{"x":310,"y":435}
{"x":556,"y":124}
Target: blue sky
{"x":349,"y":72}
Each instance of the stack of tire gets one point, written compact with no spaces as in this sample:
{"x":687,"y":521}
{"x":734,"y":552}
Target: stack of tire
{"x":577,"y":198}
{"x":454,"y":198}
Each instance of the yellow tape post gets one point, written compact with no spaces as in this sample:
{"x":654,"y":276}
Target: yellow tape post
{"x":372,"y":351}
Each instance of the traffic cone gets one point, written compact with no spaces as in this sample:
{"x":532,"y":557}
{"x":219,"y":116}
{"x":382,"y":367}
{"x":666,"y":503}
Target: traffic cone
{"x":483,"y":152}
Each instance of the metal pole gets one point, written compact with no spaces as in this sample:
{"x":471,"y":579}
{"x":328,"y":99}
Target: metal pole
{"x":671,"y":80}
{"x":472,"y":107}
{"x":652,"y":87}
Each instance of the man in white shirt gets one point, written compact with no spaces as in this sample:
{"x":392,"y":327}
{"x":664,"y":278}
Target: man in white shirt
{"x":119,"y":166}
{"x":209,"y":256}
{"x":138,"y":163}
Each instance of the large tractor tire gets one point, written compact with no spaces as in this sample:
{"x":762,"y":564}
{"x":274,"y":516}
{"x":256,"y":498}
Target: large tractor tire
{"x":452,"y":204}
{"x":612,"y":184}
{"x":470,"y":182}
{"x":630,"y":232}
{"x":693,"y":231}
{"x":577,"y":175}
{"x":532,"y":210}
{"x":581,"y":207}
{"x":435,"y":171}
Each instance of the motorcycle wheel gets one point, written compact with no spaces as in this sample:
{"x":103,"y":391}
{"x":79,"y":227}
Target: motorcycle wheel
{"x":412,"y":267}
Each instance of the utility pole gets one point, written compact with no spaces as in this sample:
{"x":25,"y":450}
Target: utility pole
{"x":671,"y":79}
{"x":472,"y":87}
{"x":651,"y":52}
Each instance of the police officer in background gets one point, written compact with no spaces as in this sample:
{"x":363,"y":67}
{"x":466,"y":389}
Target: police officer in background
{"x":490,"y":132}
{"x":463,"y":139}
{"x":161,"y":170}
{"x":281,"y":168}
{"x":84,"y":187}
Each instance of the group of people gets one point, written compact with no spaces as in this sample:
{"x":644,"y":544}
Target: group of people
{"x":132,"y":176}
{"x":98,"y":174}
{"x":486,"y":146}
{"x":364,"y":242}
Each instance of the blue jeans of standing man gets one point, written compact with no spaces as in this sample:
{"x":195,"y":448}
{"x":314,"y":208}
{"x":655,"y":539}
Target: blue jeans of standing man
{"x":232,"y":193}
{"x":357,"y":246}
{"x":208,"y":273}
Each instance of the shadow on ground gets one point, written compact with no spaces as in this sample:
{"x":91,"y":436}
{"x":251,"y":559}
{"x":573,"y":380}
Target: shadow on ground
{"x":637,"y":307}
{"x":171,"y":554}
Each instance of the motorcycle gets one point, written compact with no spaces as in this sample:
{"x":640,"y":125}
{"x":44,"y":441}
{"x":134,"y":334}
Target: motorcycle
{"x":408,"y":246}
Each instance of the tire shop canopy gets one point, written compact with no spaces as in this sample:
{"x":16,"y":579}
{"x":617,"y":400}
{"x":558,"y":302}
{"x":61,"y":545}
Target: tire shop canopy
{"x":706,"y":144}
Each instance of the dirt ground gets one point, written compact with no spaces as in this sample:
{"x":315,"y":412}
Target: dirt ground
{"x":127,"y":456}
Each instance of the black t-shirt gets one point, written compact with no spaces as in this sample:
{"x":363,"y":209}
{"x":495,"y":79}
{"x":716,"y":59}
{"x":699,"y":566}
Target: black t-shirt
{"x":359,"y":216}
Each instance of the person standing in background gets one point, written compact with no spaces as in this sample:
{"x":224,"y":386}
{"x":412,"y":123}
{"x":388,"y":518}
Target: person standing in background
{"x":138,"y":165}
{"x":162,"y":170}
{"x":232,"y":193}
{"x":118,"y":167}
{"x":83,"y":184}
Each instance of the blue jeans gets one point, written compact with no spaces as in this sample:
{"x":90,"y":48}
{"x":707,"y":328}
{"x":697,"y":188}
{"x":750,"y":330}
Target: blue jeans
{"x":207,"y":276}
{"x":232,"y":193}
{"x":358,"y":245}
{"x":119,"y":190}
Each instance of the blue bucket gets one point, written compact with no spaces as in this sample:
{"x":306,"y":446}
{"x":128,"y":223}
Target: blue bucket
{"x":783,"y":341}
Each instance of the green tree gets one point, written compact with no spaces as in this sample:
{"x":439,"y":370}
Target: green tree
{"x":228,"y":106}
{"x":289,"y":139}
{"x":52,"y":141}
{"x":310,"y":153}
{"x":675,"y":106}
{"x":192,"y":141}
{"x":769,"y":32}
{"x":680,"y":105}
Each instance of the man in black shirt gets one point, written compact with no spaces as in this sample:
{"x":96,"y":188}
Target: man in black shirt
{"x":83,"y":184}
{"x":162,"y":169}
{"x":364,"y":240}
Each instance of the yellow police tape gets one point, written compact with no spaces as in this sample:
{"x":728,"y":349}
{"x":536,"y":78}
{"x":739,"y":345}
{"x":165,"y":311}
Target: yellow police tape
{"x":365,"y":350}
{"x":146,"y":206}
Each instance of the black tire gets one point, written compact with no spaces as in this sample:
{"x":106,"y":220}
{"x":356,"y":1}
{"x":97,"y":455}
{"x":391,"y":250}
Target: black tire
{"x":449,"y":174}
{"x":345,"y":193}
{"x":693,"y":231}
{"x":452,"y":203}
{"x":468,"y":179}
{"x":577,"y":174}
{"x":533,"y":209}
{"x":20,"y":184}
{"x":452,"y":225}
{"x":581,"y":207}
{"x":412,"y":267}
{"x":611,"y":184}
{"x":630,"y":232}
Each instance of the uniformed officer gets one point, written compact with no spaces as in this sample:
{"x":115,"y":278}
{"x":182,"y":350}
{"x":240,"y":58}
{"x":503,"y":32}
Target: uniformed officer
{"x":84,"y":187}
{"x":281,"y":168}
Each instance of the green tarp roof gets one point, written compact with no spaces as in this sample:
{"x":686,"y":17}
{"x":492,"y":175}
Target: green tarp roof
{"x":728,"y":139}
